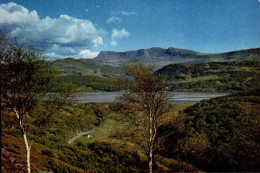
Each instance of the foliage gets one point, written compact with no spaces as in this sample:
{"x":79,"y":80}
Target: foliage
{"x":146,"y":91}
{"x":90,"y":83}
{"x":70,"y":66}
{"x":26,"y":78}
{"x":221,"y":134}
{"x":214,"y":76}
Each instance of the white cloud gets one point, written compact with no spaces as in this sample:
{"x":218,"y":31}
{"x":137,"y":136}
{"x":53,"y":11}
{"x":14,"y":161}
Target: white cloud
{"x":118,"y":34}
{"x":97,"y":41}
{"x":87,"y":54}
{"x":128,"y":13}
{"x":113,"y":19}
{"x":113,"y":43}
{"x":53,"y":34}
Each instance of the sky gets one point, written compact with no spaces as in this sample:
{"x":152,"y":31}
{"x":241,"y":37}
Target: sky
{"x":83,"y":28}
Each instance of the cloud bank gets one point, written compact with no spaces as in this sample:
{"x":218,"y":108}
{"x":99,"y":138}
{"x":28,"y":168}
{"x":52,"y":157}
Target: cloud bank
{"x":59,"y":37}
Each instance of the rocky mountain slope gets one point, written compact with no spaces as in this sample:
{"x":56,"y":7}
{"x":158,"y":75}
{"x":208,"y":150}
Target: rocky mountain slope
{"x":161,"y":57}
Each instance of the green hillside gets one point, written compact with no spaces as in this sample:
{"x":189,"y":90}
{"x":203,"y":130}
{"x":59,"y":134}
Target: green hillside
{"x":84,"y":67}
{"x":221,"y":134}
{"x":90,"y":83}
{"x":239,"y":55}
{"x":108,"y":149}
{"x":213,"y":76}
{"x":86,"y":75}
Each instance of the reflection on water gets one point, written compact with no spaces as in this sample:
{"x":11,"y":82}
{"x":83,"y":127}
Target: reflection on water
{"x":173,"y":97}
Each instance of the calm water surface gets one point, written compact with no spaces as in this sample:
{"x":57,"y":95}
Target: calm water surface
{"x":174,"y":97}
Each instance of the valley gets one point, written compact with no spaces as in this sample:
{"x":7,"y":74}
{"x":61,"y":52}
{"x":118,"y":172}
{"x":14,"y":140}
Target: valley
{"x":152,"y":86}
{"x":212,"y":109}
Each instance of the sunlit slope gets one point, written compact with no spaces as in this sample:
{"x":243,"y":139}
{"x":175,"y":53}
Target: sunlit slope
{"x":84,"y":67}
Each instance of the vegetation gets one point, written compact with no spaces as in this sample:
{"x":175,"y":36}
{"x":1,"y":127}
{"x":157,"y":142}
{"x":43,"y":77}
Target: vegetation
{"x":87,"y":75}
{"x":25,"y":79}
{"x":108,"y":150}
{"x":90,"y":83}
{"x":221,"y":134}
{"x":146,"y":92}
{"x":213,"y":77}
{"x":70,"y":66}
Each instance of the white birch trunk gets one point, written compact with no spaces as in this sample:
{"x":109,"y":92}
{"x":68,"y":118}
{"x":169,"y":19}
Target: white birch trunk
{"x":27,"y":146}
{"x":28,"y":152}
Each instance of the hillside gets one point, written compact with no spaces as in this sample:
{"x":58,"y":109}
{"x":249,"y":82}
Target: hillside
{"x":213,"y":76}
{"x":84,"y":67}
{"x":161,"y":57}
{"x":87,"y":75}
{"x":221,"y":134}
{"x":108,"y":149}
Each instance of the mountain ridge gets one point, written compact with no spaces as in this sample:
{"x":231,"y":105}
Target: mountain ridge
{"x":160,"y":57}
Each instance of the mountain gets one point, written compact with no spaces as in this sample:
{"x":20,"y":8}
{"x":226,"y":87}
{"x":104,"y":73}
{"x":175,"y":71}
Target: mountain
{"x":198,"y":72}
{"x":161,"y":57}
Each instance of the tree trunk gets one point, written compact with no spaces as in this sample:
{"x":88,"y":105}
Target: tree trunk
{"x":27,"y":146}
{"x":28,"y":150}
{"x":150,"y":159}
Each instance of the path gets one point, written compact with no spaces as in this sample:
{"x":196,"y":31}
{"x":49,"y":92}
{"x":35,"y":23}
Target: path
{"x":81,"y":134}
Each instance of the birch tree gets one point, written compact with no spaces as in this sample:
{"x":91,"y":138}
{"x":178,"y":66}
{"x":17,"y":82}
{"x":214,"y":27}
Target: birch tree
{"x":146,"y":91}
{"x":26,"y":78}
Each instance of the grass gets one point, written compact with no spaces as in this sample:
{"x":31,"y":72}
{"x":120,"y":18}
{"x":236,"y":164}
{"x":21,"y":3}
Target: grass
{"x":182,"y":105}
{"x":200,"y":78}
{"x":109,"y":127}
{"x":51,"y":151}
{"x":115,"y":124}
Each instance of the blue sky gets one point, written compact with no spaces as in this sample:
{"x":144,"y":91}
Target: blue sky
{"x":83,"y":28}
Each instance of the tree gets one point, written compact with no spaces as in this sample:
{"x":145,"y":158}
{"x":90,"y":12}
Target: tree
{"x":146,"y":91}
{"x":26,"y":79}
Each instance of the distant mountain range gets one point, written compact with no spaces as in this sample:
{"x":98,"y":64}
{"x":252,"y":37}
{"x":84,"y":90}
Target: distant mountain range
{"x":186,"y":70}
{"x":161,"y":57}
{"x":107,"y":62}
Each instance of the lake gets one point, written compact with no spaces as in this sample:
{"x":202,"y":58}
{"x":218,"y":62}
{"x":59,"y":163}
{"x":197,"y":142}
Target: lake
{"x":100,"y":97}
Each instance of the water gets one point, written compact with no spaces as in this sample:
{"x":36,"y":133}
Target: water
{"x":173,"y":97}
